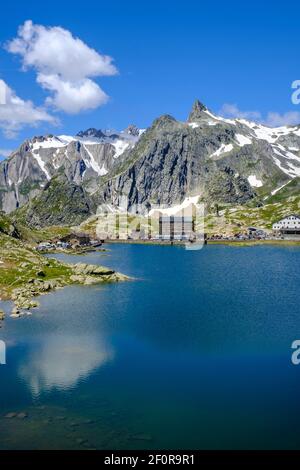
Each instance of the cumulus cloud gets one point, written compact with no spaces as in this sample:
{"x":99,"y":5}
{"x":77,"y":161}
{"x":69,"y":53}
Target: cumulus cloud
{"x":16,"y":113}
{"x":290,"y":118}
{"x":272,"y":119}
{"x":64,"y":66}
{"x":72,"y":97}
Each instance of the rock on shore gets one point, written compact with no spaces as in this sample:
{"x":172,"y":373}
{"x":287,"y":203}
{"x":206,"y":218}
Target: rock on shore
{"x":85,"y":274}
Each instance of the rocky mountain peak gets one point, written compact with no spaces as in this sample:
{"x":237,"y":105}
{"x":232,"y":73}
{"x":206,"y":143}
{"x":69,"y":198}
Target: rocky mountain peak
{"x":41,"y":138}
{"x":132,"y":130}
{"x":197,"y":111}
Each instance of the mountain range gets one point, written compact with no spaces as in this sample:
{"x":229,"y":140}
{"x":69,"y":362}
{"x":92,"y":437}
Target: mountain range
{"x":61,"y":180}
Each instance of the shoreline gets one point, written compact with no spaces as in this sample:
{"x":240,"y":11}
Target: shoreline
{"x":25,"y":274}
{"x":242,"y":243}
{"x":23,"y":296}
{"x":208,"y":242}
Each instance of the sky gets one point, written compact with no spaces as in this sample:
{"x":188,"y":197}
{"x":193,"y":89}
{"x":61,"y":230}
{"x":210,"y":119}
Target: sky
{"x":66,"y":66}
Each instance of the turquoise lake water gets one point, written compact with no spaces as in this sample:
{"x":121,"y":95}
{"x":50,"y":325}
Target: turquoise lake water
{"x":193,"y":354}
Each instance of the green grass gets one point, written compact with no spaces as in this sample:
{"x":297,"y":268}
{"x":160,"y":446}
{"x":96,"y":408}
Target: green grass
{"x":20,"y":264}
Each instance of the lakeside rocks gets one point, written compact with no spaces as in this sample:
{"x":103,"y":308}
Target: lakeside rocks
{"x":2,"y":317}
{"x":26,"y":274}
{"x":80,"y":273}
{"x":89,"y":274}
{"x":90,"y":269}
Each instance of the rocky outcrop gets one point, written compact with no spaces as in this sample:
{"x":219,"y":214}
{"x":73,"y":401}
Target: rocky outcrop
{"x":198,"y":112}
{"x":217,"y":159}
{"x":61,"y":202}
{"x":84,"y":159}
{"x":80,"y":273}
{"x":88,"y":274}
{"x":8,"y":227}
{"x":174,"y":161}
{"x":35,"y":275}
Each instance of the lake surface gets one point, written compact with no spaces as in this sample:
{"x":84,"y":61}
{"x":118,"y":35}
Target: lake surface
{"x":193,"y":354}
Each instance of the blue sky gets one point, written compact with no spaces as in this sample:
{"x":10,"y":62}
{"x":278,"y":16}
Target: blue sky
{"x":167,"y":54}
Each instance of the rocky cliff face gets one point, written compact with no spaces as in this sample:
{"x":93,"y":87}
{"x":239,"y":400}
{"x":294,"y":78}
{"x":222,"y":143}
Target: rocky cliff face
{"x":62,"y":202}
{"x":208,"y":157}
{"x":85,"y":158}
{"x":217,"y":159}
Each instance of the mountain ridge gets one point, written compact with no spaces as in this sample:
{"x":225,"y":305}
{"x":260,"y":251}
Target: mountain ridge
{"x":221,"y":160}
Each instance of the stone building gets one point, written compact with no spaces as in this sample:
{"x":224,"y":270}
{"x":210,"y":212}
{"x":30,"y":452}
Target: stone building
{"x":176,"y":227}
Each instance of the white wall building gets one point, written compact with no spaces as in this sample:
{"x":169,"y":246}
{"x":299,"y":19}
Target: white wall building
{"x":288,"y":227}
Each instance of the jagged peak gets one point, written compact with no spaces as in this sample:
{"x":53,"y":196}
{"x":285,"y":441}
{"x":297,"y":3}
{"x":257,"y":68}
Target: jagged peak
{"x":165,"y":119}
{"x":91,"y":132}
{"x":133,"y":130}
{"x":197,"y":111}
{"x":41,"y":138}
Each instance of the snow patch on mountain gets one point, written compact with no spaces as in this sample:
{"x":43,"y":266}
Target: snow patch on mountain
{"x":188,"y":202}
{"x":120,"y":147}
{"x":243,"y":140}
{"x":223,"y":149}
{"x":270,"y":134}
{"x":287,"y":166}
{"x":47,"y":143}
{"x":120,"y":141}
{"x":280,"y":188}
{"x":92,"y":162}
{"x":255,"y":182}
{"x":42,"y":165}
{"x":219,"y":118}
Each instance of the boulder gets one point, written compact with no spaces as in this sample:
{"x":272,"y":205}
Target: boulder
{"x":91,"y":269}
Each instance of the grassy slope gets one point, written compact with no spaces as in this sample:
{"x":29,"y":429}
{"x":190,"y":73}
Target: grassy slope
{"x":60,"y":203}
{"x":19,"y":264}
{"x":16,"y":226}
{"x":231,"y":219}
{"x":235,"y":219}
{"x":24,"y":273}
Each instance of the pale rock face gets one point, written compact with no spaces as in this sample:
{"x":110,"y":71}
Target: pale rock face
{"x":85,"y":158}
{"x":222,"y":160}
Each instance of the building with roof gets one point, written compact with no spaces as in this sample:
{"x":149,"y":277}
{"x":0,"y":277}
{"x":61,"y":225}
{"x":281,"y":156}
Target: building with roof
{"x":288,"y":227}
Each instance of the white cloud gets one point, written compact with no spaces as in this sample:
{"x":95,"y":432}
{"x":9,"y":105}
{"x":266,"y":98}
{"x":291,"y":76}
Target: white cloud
{"x":72,"y":97}
{"x":290,"y":118}
{"x":231,"y":110}
{"x":62,"y":361}
{"x":272,"y":119}
{"x":16,"y":113}
{"x":64,"y":65}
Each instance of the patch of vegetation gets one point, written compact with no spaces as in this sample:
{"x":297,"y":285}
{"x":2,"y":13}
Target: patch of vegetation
{"x":28,"y":186}
{"x":291,"y":189}
{"x":19,"y":264}
{"x":237,"y":219}
{"x":60,"y":203}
